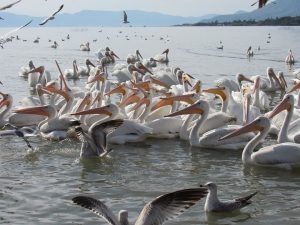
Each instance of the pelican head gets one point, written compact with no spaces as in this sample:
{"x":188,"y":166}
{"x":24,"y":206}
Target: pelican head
{"x":88,"y":62}
{"x":200,"y":107}
{"x":197,"y":86}
{"x":6,"y":100}
{"x":241,"y":77}
{"x":272,"y":75}
{"x":108,"y":110}
{"x":46,"y":110}
{"x":287,"y":103}
{"x":282,"y":79}
{"x":259,"y":124}
{"x":222,"y":92}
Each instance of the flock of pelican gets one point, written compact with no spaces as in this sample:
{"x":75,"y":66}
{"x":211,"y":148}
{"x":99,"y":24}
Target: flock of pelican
{"x":145,"y":98}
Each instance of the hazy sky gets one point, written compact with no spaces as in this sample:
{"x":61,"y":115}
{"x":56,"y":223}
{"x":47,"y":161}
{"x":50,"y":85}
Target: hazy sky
{"x":173,"y":7}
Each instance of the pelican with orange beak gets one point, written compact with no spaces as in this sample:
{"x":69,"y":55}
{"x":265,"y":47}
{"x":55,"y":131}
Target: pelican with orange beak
{"x":284,"y":155}
{"x":129,"y":131}
{"x":207,"y":139}
{"x":289,"y":132}
{"x":53,"y":127}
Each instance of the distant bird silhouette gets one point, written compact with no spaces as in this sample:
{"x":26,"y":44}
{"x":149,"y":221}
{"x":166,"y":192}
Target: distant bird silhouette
{"x":1,"y":18}
{"x":9,"y":5}
{"x":125,"y":17}
{"x":52,"y":16}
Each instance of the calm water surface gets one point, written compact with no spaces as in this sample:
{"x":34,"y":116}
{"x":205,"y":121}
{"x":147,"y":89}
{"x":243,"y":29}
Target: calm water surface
{"x":37,"y":187}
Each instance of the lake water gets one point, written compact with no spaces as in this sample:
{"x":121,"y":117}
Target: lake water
{"x":37,"y":187}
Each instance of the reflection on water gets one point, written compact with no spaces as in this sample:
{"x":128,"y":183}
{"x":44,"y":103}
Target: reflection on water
{"x":37,"y":186}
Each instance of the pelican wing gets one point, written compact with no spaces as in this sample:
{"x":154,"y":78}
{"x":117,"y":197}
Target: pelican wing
{"x":97,"y":207}
{"x":52,"y":16}
{"x":100,"y":132}
{"x":9,"y":5}
{"x":169,"y":206}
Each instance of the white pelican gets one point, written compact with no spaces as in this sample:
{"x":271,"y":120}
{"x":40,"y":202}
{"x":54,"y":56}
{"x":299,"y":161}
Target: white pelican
{"x":158,"y":211}
{"x":38,"y":76}
{"x":101,"y":52}
{"x":24,"y":70}
{"x":94,"y":142}
{"x":272,"y":82}
{"x":72,"y":73}
{"x":284,"y":155}
{"x":53,"y":127}
{"x":85,"y":47}
{"x":134,"y":58}
{"x":290,"y":58}
{"x":125,"y":74}
{"x":231,"y":84}
{"x":163,"y":57}
{"x":213,"y":204}
{"x":289,"y":132}
{"x":129,"y":131}
{"x":85,"y":71}
{"x":208,"y":139}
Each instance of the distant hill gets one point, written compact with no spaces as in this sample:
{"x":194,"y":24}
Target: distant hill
{"x":278,"y":8}
{"x":101,"y":18}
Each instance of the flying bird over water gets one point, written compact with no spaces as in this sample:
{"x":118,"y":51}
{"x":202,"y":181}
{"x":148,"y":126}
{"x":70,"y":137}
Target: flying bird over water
{"x":52,"y":16}
{"x":13,"y":31}
{"x":125,"y":17}
{"x":9,"y":5}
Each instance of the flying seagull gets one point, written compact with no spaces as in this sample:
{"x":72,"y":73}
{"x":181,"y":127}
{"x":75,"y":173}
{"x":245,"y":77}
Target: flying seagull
{"x":125,"y":17}
{"x":12,"y":31}
{"x":9,"y":5}
{"x":156,"y":212}
{"x":52,"y":16}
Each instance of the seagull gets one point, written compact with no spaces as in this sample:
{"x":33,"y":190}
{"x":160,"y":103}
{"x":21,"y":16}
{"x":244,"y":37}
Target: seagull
{"x":94,"y":142}
{"x":9,"y":5}
{"x":213,"y":204}
{"x":52,"y":16}
{"x":158,"y":211}
{"x":125,"y":17}
{"x":15,"y":30}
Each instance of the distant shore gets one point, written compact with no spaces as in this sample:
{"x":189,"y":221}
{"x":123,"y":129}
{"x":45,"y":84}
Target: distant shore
{"x":283,"y":21}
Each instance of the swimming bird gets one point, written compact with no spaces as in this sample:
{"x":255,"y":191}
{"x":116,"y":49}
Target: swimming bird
{"x":125,"y":18}
{"x":213,"y":204}
{"x":52,"y":16}
{"x":94,"y":142}
{"x":163,"y":57}
{"x":290,"y":58}
{"x":290,"y":130}
{"x":85,"y":47}
{"x":13,"y":31}
{"x":54,"y":45}
{"x":285,"y":155}
{"x":158,"y":211}
{"x":9,"y":5}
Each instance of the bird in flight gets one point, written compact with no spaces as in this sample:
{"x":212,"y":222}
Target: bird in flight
{"x":12,"y":31}
{"x":52,"y":16}
{"x":9,"y":5}
{"x":261,"y":3}
{"x":125,"y":17}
